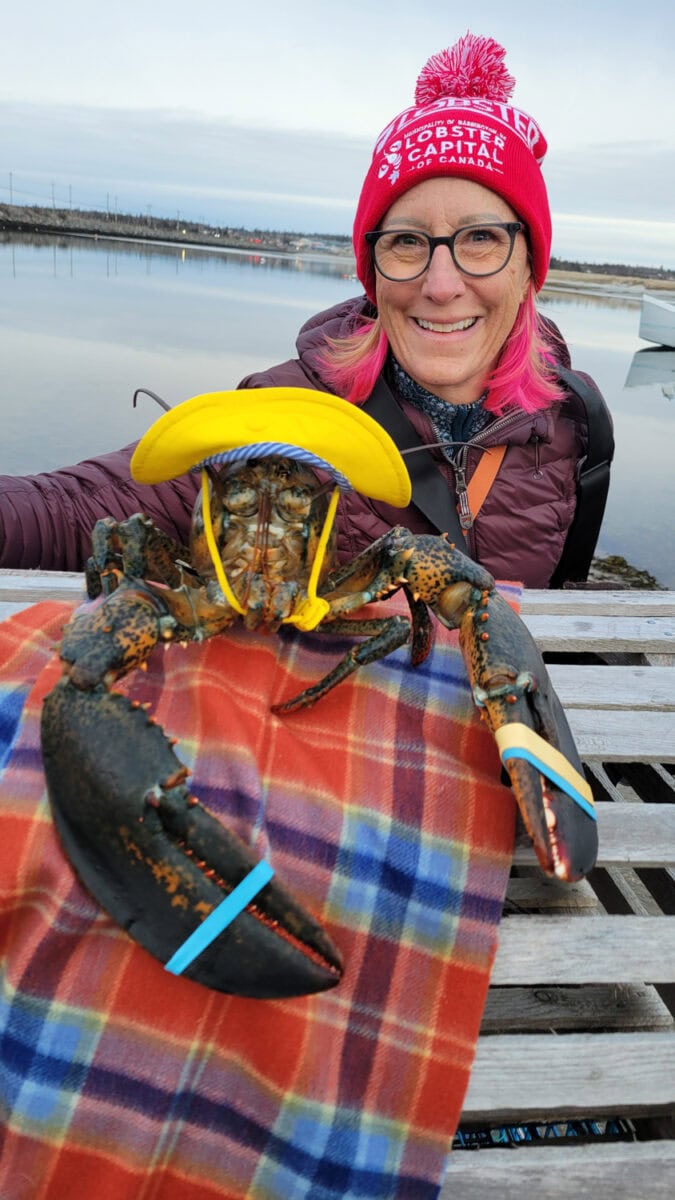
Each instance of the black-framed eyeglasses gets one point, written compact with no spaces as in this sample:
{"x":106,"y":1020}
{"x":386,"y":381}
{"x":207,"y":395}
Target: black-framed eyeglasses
{"x":403,"y":254}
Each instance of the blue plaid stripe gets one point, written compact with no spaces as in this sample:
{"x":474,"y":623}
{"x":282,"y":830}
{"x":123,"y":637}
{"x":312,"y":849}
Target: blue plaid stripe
{"x":329,"y":1156}
{"x":45,"y":1051}
{"x":11,"y":706}
{"x":407,"y":889}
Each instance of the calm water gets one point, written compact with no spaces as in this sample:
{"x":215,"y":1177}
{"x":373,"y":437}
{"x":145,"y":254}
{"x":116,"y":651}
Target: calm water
{"x":83,"y":323}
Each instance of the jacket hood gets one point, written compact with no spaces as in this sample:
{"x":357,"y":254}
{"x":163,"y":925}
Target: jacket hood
{"x":336,"y":322}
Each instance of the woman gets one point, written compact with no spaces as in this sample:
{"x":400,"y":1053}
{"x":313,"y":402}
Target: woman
{"x":452,"y":240}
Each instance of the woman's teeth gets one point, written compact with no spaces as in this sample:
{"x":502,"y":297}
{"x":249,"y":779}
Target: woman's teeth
{"x":436,"y":327}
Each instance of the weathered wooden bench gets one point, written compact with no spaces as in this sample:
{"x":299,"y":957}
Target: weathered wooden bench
{"x":579,"y":1019}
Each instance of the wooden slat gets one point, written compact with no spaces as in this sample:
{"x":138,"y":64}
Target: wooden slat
{"x":597,"y":949}
{"x":580,"y":686}
{"x":581,"y":634}
{"x":28,"y":587}
{"x":623,"y":886}
{"x":595,"y":1006}
{"x":10,"y":610}
{"x":537,"y":1077}
{"x":623,"y":602}
{"x":639,"y":835}
{"x":540,"y":892}
{"x":620,"y":1170}
{"x":638,"y":602}
{"x":616,"y":735}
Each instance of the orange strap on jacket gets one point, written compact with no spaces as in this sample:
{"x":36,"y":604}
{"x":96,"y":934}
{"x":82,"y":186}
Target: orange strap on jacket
{"x":483,"y":477}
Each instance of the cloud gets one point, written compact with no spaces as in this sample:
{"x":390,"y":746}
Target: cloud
{"x":616,"y":179}
{"x":613,"y":240}
{"x":224,"y":172}
{"x":141,"y":151}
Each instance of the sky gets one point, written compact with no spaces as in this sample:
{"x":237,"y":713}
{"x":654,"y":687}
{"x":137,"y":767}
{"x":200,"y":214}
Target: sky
{"x":264,"y":114}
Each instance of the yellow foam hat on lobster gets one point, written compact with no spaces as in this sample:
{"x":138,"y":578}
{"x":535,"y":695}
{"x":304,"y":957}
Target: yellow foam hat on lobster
{"x":329,"y":433}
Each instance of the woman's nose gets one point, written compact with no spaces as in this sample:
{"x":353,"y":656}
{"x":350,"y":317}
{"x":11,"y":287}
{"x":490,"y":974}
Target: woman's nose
{"x":442,"y":278}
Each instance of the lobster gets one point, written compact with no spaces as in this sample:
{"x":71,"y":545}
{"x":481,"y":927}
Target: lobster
{"x":263,"y":550}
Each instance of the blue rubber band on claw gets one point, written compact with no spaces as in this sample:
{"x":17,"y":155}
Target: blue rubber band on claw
{"x":559,"y":781}
{"x":220,"y":918}
{"x":515,"y":740}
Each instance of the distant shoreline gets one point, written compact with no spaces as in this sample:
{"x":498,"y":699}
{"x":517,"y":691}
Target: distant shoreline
{"x":74,"y":222}
{"x":628,"y":287}
{"x":583,"y":280}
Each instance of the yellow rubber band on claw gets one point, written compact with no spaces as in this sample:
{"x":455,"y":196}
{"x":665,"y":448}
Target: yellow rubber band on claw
{"x":519,"y":741}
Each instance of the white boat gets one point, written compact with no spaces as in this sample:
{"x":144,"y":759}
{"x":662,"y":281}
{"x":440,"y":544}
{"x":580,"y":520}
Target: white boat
{"x":657,"y":321}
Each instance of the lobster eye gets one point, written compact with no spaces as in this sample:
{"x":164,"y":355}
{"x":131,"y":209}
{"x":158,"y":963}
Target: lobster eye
{"x":294,"y":503}
{"x":241,"y":499}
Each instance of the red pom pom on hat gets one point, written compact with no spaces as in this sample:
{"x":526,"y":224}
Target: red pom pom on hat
{"x":472,"y":67}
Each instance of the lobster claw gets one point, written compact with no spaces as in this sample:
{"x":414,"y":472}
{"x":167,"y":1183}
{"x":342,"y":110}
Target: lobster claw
{"x":161,"y":865}
{"x":512,"y":688}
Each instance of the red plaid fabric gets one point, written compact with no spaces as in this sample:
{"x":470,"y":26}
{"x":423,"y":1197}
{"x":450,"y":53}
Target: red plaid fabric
{"x":382,"y":808}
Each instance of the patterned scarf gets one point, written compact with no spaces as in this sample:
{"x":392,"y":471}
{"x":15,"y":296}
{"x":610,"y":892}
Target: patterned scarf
{"x":382,"y":808}
{"x":451,"y":422}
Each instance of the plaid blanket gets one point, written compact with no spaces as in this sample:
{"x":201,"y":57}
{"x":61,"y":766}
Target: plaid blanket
{"x":382,"y":808}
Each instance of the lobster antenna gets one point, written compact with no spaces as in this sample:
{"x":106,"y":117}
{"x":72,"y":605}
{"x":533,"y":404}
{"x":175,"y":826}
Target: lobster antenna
{"x":146,"y":392}
{"x":141,"y":391}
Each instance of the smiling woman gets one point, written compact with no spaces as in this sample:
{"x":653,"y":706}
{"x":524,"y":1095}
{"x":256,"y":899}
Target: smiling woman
{"x":448,"y":314}
{"x":446,"y":350}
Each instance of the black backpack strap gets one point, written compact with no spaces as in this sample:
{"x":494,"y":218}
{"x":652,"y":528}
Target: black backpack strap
{"x":432,"y":496}
{"x":430,"y":492}
{"x":592,"y":479}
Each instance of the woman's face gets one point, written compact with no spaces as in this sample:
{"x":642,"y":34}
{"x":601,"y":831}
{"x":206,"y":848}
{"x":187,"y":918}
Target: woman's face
{"x":447,"y":329}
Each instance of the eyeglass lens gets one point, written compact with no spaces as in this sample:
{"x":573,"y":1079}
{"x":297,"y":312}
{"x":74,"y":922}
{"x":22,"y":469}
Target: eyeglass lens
{"x":478,"y":250}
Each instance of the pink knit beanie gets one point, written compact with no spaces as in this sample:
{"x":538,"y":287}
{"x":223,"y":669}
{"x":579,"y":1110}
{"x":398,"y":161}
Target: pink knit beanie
{"x":461,"y":125}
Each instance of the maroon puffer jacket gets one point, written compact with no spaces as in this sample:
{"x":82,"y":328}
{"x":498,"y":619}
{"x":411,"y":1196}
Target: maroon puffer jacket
{"x":46,"y":520}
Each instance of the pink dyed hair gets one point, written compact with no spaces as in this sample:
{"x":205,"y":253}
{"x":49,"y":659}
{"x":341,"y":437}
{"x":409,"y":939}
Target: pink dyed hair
{"x":523,"y":378}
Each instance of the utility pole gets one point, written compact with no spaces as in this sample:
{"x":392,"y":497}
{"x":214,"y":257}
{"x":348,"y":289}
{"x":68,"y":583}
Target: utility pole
{"x":11,"y":194}
{"x":53,"y":200}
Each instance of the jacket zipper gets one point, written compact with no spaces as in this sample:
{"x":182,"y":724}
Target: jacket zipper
{"x":458,"y":463}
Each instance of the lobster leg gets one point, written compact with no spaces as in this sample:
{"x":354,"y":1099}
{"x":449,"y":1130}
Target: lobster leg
{"x":133,"y":548}
{"x":374,"y":574}
{"x":385,"y":635}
